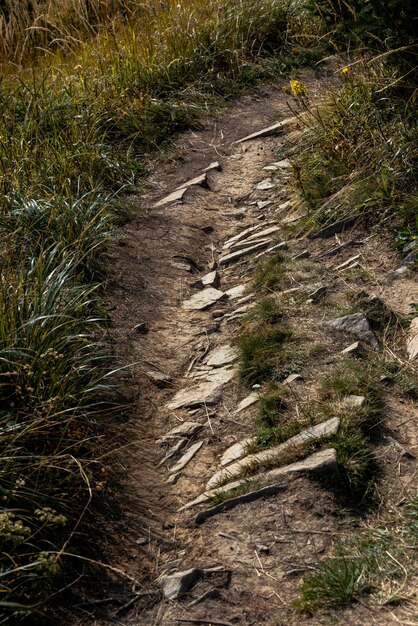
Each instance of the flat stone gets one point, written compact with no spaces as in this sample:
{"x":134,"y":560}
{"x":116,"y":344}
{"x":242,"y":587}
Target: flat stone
{"x":242,"y":310}
{"x":204,"y":393}
{"x":237,"y":451}
{"x":243,"y":245}
{"x":242,"y":235}
{"x":412,"y":341}
{"x":265,"y":184}
{"x":181,"y":265}
{"x":264,"y":233}
{"x":353,"y":402}
{"x":175,"y":196}
{"x":248,"y":401}
{"x":323,"y":461}
{"x":236,"y":292}
{"x":178,"y":447}
{"x":200,"y":181}
{"x":278,"y":165}
{"x":221,"y":375}
{"x":251,"y":496}
{"x":267,"y":132}
{"x":185,"y":429}
{"x":172,"y":479}
{"x":353,"y":349}
{"x":275,"y":454}
{"x":208,"y":280}
{"x":356,"y":325}
{"x":204,"y":299}
{"x":305,"y":254}
{"x":292,"y":378}
{"x":142,"y":328}
{"x":186,"y":458}
{"x":222,"y":356}
{"x":335,"y":227}
{"x":180,"y":583}
{"x":347,"y":263}
{"x":279,"y":246}
{"x":158,"y":378}
{"x":261,"y":204}
{"x":213,"y":166}
{"x":236,"y":256}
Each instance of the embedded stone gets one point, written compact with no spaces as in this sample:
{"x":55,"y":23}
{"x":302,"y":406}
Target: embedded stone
{"x":248,"y":401}
{"x":175,"y":196}
{"x":356,"y":325}
{"x":265,"y":184}
{"x":267,"y":132}
{"x":237,"y":451}
{"x":186,"y":429}
{"x":236,"y":256}
{"x":204,"y":299}
{"x":186,"y":458}
{"x":221,"y":356}
{"x":412,"y":341}
{"x":272,"y":455}
{"x":209,"y":392}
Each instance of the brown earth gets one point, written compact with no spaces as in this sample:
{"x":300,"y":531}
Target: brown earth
{"x":265,"y":547}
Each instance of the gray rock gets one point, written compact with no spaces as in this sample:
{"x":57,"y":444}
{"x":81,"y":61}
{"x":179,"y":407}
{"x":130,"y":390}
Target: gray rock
{"x":323,"y":461}
{"x":265,"y":185}
{"x":236,"y":256}
{"x":348,"y":263}
{"x":213,"y":166}
{"x":278,"y":165}
{"x":186,"y":458}
{"x":204,"y":393}
{"x":172,"y":479}
{"x":180,"y":583}
{"x":292,"y":378}
{"x":267,"y":132}
{"x":221,"y":375}
{"x":353,"y":402}
{"x":356,"y":325}
{"x":181,"y":265}
{"x":279,"y":246}
{"x":236,"y":451}
{"x":223,"y":355}
{"x":248,"y":401}
{"x":176,"y":449}
{"x":261,"y":204}
{"x":204,"y":299}
{"x":175,"y":196}
{"x":242,"y":235}
{"x":335,"y":227}
{"x":275,"y":454}
{"x":186,"y":429}
{"x":412,"y":341}
{"x":264,"y":233}
{"x":353,"y":349}
{"x":200,"y":181}
{"x":318,"y":294}
{"x":243,"y":245}
{"x":208,"y":280}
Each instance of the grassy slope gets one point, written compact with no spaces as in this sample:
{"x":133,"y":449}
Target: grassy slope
{"x":73,"y":133}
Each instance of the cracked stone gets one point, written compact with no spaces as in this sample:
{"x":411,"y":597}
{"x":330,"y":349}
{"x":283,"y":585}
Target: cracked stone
{"x":186,"y":458}
{"x":209,"y":392}
{"x":222,"y":356}
{"x":204,"y":299}
{"x":186,"y":429}
{"x":236,"y":256}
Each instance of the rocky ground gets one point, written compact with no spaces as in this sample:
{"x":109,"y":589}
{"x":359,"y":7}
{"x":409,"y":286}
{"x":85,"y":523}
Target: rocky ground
{"x":182,"y":288}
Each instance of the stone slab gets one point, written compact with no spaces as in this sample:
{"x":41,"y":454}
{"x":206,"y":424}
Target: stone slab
{"x":412,"y":341}
{"x":356,"y":325}
{"x":186,"y":458}
{"x":223,"y":355}
{"x":209,"y":393}
{"x":236,"y":256}
{"x":204,"y":299}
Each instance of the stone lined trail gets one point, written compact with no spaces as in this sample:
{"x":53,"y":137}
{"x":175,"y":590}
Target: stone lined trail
{"x":185,"y":271}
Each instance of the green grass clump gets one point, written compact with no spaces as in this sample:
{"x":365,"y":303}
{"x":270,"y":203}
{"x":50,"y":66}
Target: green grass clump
{"x":269,"y":275}
{"x":378,"y":562}
{"x":262,"y":353}
{"x":359,"y":155}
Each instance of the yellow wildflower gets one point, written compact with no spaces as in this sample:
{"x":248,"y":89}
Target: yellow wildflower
{"x":298,"y":89}
{"x":345,"y":70}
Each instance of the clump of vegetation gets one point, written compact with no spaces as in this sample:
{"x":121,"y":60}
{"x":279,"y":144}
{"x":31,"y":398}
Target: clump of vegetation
{"x":378,"y":562}
{"x":262,"y":352}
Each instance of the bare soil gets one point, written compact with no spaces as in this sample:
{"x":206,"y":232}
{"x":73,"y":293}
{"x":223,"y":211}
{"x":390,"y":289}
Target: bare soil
{"x":148,"y":283}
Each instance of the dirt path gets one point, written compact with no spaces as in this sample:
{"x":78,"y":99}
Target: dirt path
{"x":264,"y":547}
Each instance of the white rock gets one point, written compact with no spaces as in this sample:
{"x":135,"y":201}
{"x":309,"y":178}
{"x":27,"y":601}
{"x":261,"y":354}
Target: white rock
{"x":236,"y":256}
{"x":261,"y":204}
{"x":248,"y":401}
{"x":272,"y":455}
{"x":292,"y":378}
{"x":204,"y":299}
{"x":185,"y":429}
{"x":201,"y":181}
{"x":236,"y":292}
{"x":264,"y":233}
{"x":242,"y":245}
{"x":204,"y":393}
{"x":221,"y":356}
{"x":270,"y":130}
{"x":186,"y":458}
{"x":237,"y":451}
{"x":213,"y":166}
{"x":175,"y":196}
{"x":221,"y":375}
{"x":265,"y":184}
{"x":242,"y":235}
{"x":412,"y":341}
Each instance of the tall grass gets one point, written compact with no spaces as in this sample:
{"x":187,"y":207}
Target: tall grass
{"x":101,"y":83}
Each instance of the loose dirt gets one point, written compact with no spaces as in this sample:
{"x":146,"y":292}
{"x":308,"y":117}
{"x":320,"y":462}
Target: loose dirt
{"x":264,"y":547}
